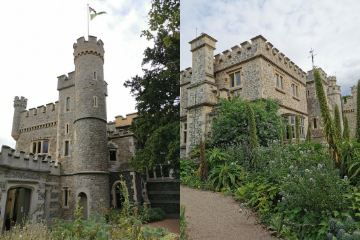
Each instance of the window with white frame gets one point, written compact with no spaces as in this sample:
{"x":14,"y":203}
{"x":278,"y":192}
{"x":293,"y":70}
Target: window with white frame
{"x":40,"y":147}
{"x":295,"y":90}
{"x":279,"y":81}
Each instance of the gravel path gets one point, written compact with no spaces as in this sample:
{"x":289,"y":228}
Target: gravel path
{"x":212,"y":216}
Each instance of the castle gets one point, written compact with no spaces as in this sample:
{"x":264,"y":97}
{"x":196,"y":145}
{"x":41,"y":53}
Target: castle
{"x":67,"y":149}
{"x":254,"y":70}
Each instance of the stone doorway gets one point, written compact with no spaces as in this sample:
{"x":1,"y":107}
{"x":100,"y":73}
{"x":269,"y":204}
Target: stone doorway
{"x":119,"y":198}
{"x":84,"y":204}
{"x":17,"y":206}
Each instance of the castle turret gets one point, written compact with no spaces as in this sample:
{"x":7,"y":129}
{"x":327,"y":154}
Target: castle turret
{"x":90,"y":154}
{"x":19,"y":105}
{"x":334,"y":94}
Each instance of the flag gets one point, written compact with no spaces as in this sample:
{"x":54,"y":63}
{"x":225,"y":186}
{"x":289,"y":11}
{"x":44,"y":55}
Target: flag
{"x":91,"y":9}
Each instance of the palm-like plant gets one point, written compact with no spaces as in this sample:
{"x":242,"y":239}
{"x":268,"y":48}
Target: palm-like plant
{"x":224,"y":176}
{"x":351,"y":156}
{"x":216,"y":157}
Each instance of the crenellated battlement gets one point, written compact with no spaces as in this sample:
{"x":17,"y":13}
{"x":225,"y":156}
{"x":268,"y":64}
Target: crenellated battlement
{"x":82,"y":47}
{"x":40,"y":117}
{"x":353,"y":90}
{"x":66,"y":81}
{"x":20,"y":160}
{"x":20,"y":101}
{"x":258,"y":47}
{"x":310,"y":76}
{"x":185,"y":76}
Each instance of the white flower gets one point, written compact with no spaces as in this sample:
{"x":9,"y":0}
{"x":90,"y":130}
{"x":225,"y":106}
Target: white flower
{"x":319,"y":165}
{"x":278,"y":200}
{"x":345,"y":178}
{"x":232,"y":163}
{"x":307,"y":170}
{"x":305,"y":210}
{"x":20,"y":236}
{"x":284,"y":178}
{"x":284,"y":226}
{"x":301,"y":152}
{"x":283,"y":198}
{"x":311,"y":180}
{"x":291,"y":167}
{"x":309,"y":151}
{"x":288,"y":175}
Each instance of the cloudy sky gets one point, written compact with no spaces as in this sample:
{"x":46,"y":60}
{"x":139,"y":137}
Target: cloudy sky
{"x":294,"y":27}
{"x":37,"y":40}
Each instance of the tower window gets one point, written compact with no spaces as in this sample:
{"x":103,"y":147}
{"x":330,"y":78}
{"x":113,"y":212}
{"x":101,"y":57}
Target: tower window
{"x":66,"y":197}
{"x":67,"y":104}
{"x":95,"y":101}
{"x":39,"y":147}
{"x":235,"y":79}
{"x":45,"y":147}
{"x":112,"y":155}
{"x":34,"y":148}
{"x":185,"y":136}
{"x":279,"y":80}
{"x":308,"y":93}
{"x":315,"y":123}
{"x":67,"y":128}
{"x":77,"y":95}
{"x":66,"y":148}
{"x":95,"y":76}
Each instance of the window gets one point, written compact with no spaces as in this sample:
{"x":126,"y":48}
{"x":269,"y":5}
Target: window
{"x":95,"y":76}
{"x":67,"y":104}
{"x":308,"y":93}
{"x":39,"y":147}
{"x":112,"y":155}
{"x":95,"y":102}
{"x":185,"y":136}
{"x":291,"y":122}
{"x":77,"y":95}
{"x":185,"y":132}
{"x":67,"y":128}
{"x":315,"y":126}
{"x":34,"y":148}
{"x":66,"y":148}
{"x":295,"y":90}
{"x":235,"y":79}
{"x":66,"y":198}
{"x":279,"y":81}
{"x":45,"y":147}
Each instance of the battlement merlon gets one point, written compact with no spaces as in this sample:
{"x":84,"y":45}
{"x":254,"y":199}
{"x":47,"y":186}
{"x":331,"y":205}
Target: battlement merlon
{"x":66,"y":81}
{"x":20,"y":102}
{"x":13,"y":159}
{"x":92,"y":44}
{"x":354,"y":90}
{"x":185,"y":76}
{"x":203,"y":40}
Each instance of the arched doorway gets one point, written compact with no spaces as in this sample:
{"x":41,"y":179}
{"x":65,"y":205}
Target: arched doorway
{"x":84,"y":204}
{"x":17,"y":206}
{"x":119,"y":198}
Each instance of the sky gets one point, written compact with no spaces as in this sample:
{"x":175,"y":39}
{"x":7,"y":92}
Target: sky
{"x":294,"y":27}
{"x":37,"y":37}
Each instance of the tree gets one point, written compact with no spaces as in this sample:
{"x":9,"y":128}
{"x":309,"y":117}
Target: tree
{"x":357,"y":134}
{"x":337,"y":122}
{"x":203,"y":163}
{"x":164,"y":15}
{"x":297,"y":129}
{"x":308,"y":134}
{"x":290,"y":133}
{"x":346,"y":133}
{"x":157,"y":127}
{"x":329,"y":128}
{"x":252,"y":125}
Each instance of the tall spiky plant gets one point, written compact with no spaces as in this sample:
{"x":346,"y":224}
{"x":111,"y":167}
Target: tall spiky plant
{"x":203,"y":163}
{"x":337,"y":122}
{"x":357,"y":134}
{"x":346,"y":133}
{"x":252,"y":125}
{"x":290,"y":133}
{"x":308,"y":134}
{"x":297,"y":129}
{"x":329,"y":128}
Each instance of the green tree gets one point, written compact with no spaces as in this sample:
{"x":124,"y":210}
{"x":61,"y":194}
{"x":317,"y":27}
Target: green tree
{"x":329,"y":128}
{"x":308,"y":134}
{"x":164,"y":15}
{"x":203,"y":163}
{"x":357,"y":134}
{"x":337,"y":122}
{"x":297,"y":129}
{"x":346,"y":132}
{"x":252,"y":125}
{"x":157,"y":127}
{"x":290,"y":133}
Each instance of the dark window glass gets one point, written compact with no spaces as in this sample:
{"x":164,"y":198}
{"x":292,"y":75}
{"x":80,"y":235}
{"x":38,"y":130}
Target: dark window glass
{"x":67,"y":128}
{"x":46,"y":147}
{"x":66,"y":148}
{"x":94,"y":75}
{"x":293,"y":131}
{"x":238,"y":78}
{"x":277,"y":80}
{"x":315,"y":123}
{"x":231,"y":80}
{"x":34,"y":148}
{"x":281,"y":82}
{"x":292,"y":120}
{"x":66,"y":197}
{"x":184,"y":137}
{"x":296,"y":90}
{"x":112,"y":155}
{"x":68,"y":104}
{"x":185,"y":126}
{"x":39,"y":147}
{"x":308,"y":93}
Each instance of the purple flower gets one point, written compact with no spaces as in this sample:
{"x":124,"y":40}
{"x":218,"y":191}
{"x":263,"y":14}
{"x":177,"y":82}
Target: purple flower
{"x":186,"y":169}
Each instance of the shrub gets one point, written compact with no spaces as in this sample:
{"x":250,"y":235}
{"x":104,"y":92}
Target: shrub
{"x":231,"y":124}
{"x":224,"y":176}
{"x":346,"y":133}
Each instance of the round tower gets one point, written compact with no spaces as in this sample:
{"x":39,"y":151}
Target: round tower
{"x":19,"y":105}
{"x":90,"y":156}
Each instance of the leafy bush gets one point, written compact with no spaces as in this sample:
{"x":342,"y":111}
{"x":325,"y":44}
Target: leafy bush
{"x":224,"y":176}
{"x":231,"y":122}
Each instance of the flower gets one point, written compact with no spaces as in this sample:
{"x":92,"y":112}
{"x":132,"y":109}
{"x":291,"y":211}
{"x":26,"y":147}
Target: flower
{"x":301,"y":152}
{"x":291,"y":167}
{"x":278,"y":200}
{"x":345,"y":177}
{"x":311,"y":180}
{"x":186,"y":169}
{"x":129,"y":229}
{"x":284,"y":226}
{"x":20,"y":236}
{"x":307,"y":170}
{"x":283,"y":198}
{"x":319,"y":165}
{"x":284,"y":178}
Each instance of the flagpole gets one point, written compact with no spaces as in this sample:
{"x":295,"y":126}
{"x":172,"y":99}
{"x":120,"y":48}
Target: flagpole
{"x":87,"y":16}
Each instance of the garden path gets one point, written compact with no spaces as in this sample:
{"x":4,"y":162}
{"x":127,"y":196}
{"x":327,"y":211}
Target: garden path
{"x":213,"y":216}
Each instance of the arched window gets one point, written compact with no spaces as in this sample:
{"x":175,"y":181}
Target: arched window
{"x":84,"y":204}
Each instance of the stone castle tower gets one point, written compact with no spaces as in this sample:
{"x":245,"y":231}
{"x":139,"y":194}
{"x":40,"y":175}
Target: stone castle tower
{"x":19,"y":105}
